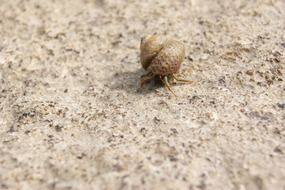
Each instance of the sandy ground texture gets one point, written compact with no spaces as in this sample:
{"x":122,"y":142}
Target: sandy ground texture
{"x":72,"y":116}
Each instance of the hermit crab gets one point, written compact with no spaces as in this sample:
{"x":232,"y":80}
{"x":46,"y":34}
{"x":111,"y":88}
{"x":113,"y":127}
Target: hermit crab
{"x":162,"y":58}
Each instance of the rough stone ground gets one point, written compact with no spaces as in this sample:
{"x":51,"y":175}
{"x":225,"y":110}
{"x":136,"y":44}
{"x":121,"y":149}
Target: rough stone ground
{"x":72,"y":116}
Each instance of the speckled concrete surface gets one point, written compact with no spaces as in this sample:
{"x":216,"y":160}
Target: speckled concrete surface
{"x":72,"y":116}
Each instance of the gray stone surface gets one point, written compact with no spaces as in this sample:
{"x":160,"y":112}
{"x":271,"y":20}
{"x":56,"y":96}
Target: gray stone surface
{"x":72,"y":116}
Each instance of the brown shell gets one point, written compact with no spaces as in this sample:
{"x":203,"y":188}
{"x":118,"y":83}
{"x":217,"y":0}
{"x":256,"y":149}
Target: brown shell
{"x":150,"y":46}
{"x":168,"y":59}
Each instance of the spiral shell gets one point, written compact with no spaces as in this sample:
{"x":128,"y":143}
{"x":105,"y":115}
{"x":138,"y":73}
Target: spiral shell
{"x":150,"y":47}
{"x":161,"y":57}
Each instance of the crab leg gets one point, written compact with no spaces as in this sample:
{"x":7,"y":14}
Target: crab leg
{"x":166,"y":84}
{"x":181,"y":80}
{"x":145,"y":78}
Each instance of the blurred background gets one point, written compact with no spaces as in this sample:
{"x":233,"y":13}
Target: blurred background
{"x":72,"y":117}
